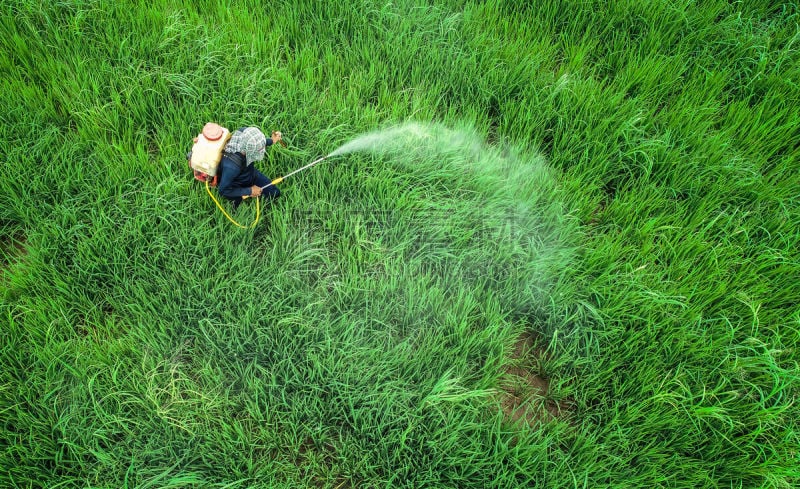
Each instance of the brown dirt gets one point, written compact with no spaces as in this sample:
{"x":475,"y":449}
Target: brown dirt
{"x":12,"y":249}
{"x":524,"y":392}
{"x":311,"y":453}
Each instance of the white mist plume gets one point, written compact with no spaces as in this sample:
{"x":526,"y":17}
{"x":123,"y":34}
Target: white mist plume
{"x":387,"y":139}
{"x":510,"y":194}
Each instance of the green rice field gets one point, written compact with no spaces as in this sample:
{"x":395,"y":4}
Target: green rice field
{"x":555,"y":245}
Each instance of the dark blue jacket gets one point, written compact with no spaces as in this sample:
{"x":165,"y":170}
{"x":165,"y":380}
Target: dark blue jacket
{"x":235,"y":175}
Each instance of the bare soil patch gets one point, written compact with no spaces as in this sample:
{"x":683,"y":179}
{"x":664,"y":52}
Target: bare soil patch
{"x":524,"y":391}
{"x":13,"y":249}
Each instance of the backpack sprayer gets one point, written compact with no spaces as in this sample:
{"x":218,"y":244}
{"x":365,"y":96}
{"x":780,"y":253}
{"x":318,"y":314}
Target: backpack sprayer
{"x":206,"y":155}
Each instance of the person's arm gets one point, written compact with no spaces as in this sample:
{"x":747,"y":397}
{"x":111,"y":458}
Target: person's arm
{"x":277,"y":137}
{"x":225,"y":185}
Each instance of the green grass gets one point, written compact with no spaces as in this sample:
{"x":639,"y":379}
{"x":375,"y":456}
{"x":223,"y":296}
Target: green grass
{"x":616,"y":180}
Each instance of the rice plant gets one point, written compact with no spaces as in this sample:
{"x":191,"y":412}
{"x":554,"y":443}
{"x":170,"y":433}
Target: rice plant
{"x":555,"y":245}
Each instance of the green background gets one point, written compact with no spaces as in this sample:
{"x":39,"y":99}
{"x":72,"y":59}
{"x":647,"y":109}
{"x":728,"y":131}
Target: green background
{"x":603,"y":212}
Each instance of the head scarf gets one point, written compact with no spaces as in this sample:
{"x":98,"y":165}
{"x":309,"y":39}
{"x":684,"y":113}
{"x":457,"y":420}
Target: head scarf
{"x":250,"y":141}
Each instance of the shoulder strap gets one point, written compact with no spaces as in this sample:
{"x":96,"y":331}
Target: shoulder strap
{"x":236,"y":158}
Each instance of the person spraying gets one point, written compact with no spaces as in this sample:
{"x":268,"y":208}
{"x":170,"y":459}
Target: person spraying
{"x":238,"y":177}
{"x":225,"y":161}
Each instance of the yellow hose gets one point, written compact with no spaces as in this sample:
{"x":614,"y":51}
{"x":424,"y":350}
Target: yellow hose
{"x":258,"y":209}
{"x":274,"y":182}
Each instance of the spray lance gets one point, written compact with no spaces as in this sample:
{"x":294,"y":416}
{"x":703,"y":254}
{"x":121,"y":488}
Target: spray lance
{"x":280,"y":179}
{"x":258,"y":207}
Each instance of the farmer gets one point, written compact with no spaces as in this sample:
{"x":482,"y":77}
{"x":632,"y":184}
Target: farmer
{"x":238,"y":176}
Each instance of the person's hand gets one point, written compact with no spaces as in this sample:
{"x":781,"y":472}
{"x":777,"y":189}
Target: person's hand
{"x":255,"y":191}
{"x":276,"y":136}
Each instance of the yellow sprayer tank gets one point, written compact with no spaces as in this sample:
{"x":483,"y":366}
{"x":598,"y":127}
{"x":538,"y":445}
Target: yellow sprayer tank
{"x":207,"y":149}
